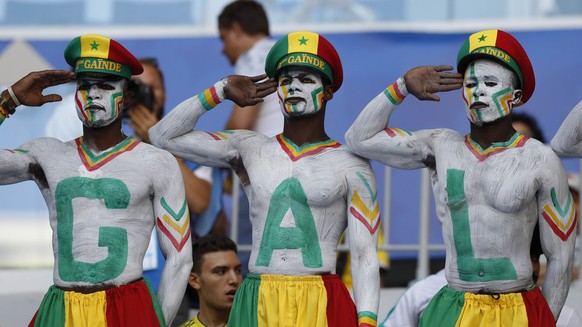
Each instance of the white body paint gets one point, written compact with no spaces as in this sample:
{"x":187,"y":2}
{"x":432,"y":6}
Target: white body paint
{"x":148,"y":173}
{"x":505,"y":195}
{"x":327,"y":178}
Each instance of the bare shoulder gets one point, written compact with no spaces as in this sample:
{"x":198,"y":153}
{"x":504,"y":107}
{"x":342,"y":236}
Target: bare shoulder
{"x":155,"y":156}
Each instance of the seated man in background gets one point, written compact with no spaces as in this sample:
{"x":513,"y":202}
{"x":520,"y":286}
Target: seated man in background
{"x":216,"y":275}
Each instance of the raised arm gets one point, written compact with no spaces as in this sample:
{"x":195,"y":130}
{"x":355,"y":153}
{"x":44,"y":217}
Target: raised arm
{"x":174,"y":133}
{"x":28,"y":91}
{"x":363,"y":223}
{"x":557,"y":220}
{"x":370,"y":135}
{"x":568,"y":140}
{"x":173,"y":231}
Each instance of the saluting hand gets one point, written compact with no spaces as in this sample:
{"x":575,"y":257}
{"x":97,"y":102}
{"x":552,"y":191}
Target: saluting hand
{"x":248,"y":91}
{"x":424,"y":81}
{"x":28,"y":90}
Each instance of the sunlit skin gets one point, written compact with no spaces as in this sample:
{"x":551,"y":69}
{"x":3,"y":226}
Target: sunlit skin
{"x":300,"y":91}
{"x":488,"y":91}
{"x":99,"y":102}
{"x":219,"y":278}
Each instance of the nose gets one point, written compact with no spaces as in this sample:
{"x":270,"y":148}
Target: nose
{"x":234,"y":278}
{"x":94,"y":92}
{"x":479,"y":91}
{"x":295,"y":85}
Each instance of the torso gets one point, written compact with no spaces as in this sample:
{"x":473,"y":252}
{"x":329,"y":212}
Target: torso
{"x":101,"y":210}
{"x":299,"y":196}
{"x":486,"y":202}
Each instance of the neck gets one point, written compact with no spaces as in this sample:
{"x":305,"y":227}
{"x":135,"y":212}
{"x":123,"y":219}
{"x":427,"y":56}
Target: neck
{"x":250,"y":40}
{"x":499,"y":130}
{"x":211,"y":317}
{"x":306,"y":129}
{"x":103,"y":138}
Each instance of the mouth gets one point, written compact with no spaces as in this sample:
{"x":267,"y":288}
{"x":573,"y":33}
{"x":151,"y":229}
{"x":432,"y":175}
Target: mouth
{"x":294,"y":100}
{"x":230,"y":294}
{"x":478,"y":105}
{"x":95,"y":107}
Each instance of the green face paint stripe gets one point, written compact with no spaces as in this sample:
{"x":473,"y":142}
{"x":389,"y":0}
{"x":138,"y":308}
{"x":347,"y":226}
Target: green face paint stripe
{"x":495,"y":96}
{"x":472,"y":74}
{"x":289,"y":195}
{"x":95,"y":158}
{"x":176,"y":216}
{"x":309,"y":145}
{"x":115,"y":110}
{"x":562,"y":211}
{"x":314,"y":94}
{"x":116,"y":196}
{"x":367,"y":314}
{"x":372,"y":194}
{"x":471,"y":269}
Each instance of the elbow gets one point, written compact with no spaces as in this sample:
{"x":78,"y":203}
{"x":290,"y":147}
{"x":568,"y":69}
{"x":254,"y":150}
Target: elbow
{"x":559,"y":147}
{"x":156,"y":136}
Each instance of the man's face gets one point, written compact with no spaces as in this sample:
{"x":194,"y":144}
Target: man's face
{"x":230,"y":44}
{"x":300,"y":91}
{"x":99,"y":102}
{"x":150,"y":77}
{"x":488,"y":92}
{"x":220,"y":276}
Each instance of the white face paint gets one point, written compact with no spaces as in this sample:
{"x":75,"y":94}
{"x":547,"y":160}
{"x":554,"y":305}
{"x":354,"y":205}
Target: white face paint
{"x":99,"y":102}
{"x":488,"y":91}
{"x":300,"y":91}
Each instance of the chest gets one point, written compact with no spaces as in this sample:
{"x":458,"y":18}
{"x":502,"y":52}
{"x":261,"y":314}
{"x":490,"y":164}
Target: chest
{"x":316,"y":177}
{"x":506,"y":181}
{"x":75,"y":174}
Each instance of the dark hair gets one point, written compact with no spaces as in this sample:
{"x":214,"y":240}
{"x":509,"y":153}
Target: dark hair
{"x":532,"y":123}
{"x":154,"y":63}
{"x":207,"y":244}
{"x":249,"y":14}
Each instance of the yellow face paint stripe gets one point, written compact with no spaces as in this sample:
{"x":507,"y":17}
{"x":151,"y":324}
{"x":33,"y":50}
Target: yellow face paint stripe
{"x":180,"y":229}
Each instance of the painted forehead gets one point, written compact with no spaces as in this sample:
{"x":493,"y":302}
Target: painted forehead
{"x":298,"y":70}
{"x":488,"y":69}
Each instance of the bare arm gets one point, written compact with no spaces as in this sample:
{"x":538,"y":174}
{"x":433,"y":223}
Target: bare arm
{"x":557,"y":219}
{"x":568,"y":140}
{"x":174,"y":133}
{"x":173,"y":231}
{"x":370,"y":137}
{"x":363,"y":222}
{"x":28,"y":90}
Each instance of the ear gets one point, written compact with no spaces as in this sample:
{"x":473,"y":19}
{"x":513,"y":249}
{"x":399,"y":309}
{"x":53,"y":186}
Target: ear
{"x":516,"y":97}
{"x":327,"y":92}
{"x":194,"y":281}
{"x":236,"y":29}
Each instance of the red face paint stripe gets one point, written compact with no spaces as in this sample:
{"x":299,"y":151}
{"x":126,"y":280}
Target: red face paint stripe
{"x":310,"y":150}
{"x":364,"y":221}
{"x":484,"y":154}
{"x":91,"y":164}
{"x":557,"y":230}
{"x":177,"y":245}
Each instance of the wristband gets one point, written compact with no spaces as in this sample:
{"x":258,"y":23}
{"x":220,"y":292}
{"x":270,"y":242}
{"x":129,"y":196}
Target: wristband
{"x":13,"y":96}
{"x":5,"y":103}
